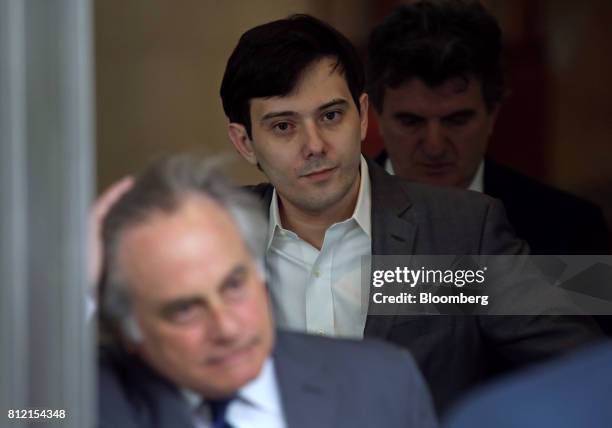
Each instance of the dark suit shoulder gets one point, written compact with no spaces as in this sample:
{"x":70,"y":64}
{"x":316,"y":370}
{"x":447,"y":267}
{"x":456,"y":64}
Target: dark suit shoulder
{"x":428,"y":195}
{"x":371,"y":383}
{"x":348,"y":355}
{"x":259,"y":189}
{"x":120,"y":399}
{"x":130,"y":394}
{"x":503,"y":181}
{"x":551,"y":220}
{"x":571,"y":392}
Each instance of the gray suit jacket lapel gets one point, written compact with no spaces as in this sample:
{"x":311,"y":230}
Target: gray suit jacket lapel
{"x":393,"y":232}
{"x":308,"y":390}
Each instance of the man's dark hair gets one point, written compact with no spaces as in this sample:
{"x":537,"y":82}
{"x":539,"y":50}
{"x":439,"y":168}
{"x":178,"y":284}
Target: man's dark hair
{"x":435,"y":41}
{"x":270,"y":59}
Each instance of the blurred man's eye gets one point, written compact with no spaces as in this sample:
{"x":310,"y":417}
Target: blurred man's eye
{"x":235,"y":286}
{"x":183,"y":313}
{"x":410,"y":120}
{"x":458,"y":119}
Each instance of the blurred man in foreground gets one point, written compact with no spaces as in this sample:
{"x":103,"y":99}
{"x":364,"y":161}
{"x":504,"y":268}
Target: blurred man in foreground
{"x":573,"y":392}
{"x":435,"y":81}
{"x":194,"y":345}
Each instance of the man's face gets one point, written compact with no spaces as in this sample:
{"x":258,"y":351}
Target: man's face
{"x":198,"y":298}
{"x":436,"y":135}
{"x":308,"y":143}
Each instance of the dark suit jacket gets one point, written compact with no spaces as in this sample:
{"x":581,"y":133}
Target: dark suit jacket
{"x":323,"y":383}
{"x":455,"y":352}
{"x":572,"y":393}
{"x":551,"y":221}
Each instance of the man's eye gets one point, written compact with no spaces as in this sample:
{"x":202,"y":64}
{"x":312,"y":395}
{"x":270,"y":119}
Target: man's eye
{"x":458,"y":120}
{"x":235,"y":286}
{"x":282,"y":127}
{"x":332,"y":116}
{"x":185,"y":313}
{"x":410,"y":121}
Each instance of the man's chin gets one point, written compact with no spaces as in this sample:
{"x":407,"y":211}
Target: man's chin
{"x":437,"y":177}
{"x":232,"y":381}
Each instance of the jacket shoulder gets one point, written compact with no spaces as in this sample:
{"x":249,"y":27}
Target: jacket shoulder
{"x":259,"y":189}
{"x":348,"y":355}
{"x":505,"y":183}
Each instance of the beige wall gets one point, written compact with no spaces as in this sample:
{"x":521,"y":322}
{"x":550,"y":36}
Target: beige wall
{"x":159,"y":64}
{"x":583,"y":108}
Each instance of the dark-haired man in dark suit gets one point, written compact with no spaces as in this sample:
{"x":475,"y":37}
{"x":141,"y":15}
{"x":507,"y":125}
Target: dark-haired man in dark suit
{"x":293,"y":93}
{"x":435,"y":81}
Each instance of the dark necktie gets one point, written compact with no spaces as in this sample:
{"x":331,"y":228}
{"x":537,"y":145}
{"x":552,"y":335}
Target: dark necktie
{"x":218,"y":410}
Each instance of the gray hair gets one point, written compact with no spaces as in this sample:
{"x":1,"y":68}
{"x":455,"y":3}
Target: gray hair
{"x":163,"y":187}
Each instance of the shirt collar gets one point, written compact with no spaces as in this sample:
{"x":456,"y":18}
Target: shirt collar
{"x":361,"y":214}
{"x":274,"y":221}
{"x":262,"y":392}
{"x":476,"y":184}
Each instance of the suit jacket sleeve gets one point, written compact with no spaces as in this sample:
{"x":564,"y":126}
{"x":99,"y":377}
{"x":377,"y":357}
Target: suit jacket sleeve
{"x":517,"y":340}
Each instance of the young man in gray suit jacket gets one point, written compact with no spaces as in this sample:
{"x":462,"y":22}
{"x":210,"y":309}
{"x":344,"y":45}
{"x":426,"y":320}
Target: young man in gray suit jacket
{"x":193,"y":345}
{"x":293,"y":93}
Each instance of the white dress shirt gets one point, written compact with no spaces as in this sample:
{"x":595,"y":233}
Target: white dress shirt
{"x":476,"y":185}
{"x":321,"y":291}
{"x":257,"y":404}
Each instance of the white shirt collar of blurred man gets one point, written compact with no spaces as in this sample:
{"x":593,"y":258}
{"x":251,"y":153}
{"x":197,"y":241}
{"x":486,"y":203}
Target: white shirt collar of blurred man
{"x":258,"y":403}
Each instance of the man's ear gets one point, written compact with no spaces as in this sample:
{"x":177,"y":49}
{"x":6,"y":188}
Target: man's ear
{"x":363,"y":109}
{"x":241,"y":141}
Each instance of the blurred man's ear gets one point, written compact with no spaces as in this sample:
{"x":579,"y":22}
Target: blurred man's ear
{"x":241,"y":141}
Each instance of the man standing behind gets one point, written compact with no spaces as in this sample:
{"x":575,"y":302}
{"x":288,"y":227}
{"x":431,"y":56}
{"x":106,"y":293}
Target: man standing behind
{"x":293,"y":93}
{"x":194,"y":345}
{"x":435,"y":81}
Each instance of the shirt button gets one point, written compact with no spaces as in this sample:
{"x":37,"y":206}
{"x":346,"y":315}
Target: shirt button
{"x":320,"y":333}
{"x":317,"y":273}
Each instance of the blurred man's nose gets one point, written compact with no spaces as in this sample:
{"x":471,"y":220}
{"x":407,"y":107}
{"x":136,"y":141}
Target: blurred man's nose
{"x":223,"y":323}
{"x":433,"y":143}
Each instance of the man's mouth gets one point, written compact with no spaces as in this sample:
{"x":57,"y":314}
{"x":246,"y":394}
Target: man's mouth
{"x":436,"y":168}
{"x":233,"y":357}
{"x":320,"y":174}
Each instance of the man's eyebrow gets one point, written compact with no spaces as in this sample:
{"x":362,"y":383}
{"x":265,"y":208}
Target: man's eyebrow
{"x":338,"y":102}
{"x":275,"y":114}
{"x":237,"y":272}
{"x":169,"y":307}
{"x":407,"y":115}
{"x":463,"y":112}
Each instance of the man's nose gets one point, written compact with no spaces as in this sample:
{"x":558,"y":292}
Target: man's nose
{"x":433,"y":143}
{"x":313,"y":140}
{"x":223,"y":322}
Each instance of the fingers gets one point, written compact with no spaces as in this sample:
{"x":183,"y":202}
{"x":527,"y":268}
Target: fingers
{"x":110,"y":196}
{"x":96,"y":218}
